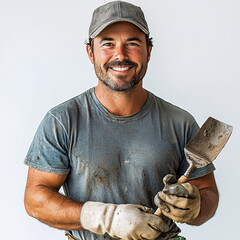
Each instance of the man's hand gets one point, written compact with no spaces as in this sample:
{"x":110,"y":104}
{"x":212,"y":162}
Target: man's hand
{"x":124,"y":221}
{"x":179,"y":202}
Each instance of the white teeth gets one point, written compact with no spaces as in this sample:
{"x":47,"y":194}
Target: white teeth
{"x":120,"y":69}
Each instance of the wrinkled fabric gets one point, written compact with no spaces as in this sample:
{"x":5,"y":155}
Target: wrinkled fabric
{"x":109,"y":158}
{"x":124,"y":221}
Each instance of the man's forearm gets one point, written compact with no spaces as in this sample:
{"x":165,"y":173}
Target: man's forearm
{"x":53,"y":209}
{"x":209,"y":203}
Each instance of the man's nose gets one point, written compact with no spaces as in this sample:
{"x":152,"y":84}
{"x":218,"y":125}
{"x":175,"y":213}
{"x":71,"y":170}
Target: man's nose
{"x":120,"y":53}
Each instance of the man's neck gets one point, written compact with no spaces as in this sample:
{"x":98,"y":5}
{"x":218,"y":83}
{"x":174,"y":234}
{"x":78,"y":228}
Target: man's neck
{"x":121,"y":103}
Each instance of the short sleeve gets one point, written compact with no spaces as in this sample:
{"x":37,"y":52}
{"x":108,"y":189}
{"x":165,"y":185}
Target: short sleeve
{"x":198,"y":172}
{"x":48,"y":151}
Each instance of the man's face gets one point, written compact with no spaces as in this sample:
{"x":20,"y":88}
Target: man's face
{"x":120,"y":56}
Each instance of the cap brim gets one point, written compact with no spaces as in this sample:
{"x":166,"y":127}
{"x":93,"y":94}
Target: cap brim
{"x":100,"y":29}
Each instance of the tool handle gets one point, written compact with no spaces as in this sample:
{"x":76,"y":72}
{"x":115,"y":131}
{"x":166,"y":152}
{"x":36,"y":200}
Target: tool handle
{"x":158,"y":212}
{"x":182,"y":179}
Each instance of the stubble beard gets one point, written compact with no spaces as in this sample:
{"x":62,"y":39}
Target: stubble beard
{"x":120,"y":84}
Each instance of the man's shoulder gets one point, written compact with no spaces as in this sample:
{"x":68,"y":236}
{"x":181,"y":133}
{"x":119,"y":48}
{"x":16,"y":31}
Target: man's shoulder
{"x":72,"y":106}
{"x":172,"y":111}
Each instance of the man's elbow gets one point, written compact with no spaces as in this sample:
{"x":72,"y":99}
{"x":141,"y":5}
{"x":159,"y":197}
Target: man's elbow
{"x":28,"y":206}
{"x":31,"y":204}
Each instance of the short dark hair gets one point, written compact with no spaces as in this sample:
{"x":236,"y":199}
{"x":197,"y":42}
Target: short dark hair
{"x":149,"y":42}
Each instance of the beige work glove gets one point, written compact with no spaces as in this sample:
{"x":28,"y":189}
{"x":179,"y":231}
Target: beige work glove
{"x":124,"y":221}
{"x":179,"y":202}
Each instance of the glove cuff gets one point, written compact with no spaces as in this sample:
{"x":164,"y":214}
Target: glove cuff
{"x":97,"y":216}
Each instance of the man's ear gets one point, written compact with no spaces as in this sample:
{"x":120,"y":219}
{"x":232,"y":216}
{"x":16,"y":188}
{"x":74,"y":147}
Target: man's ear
{"x":149,"y":52}
{"x":89,"y":53}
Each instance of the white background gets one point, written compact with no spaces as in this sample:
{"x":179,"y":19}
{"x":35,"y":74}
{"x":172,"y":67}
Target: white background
{"x":195,"y":64}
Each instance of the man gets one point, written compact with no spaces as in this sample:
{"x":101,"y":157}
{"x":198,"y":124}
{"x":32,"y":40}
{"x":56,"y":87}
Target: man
{"x":111,"y":146}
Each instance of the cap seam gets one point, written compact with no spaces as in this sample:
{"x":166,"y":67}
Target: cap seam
{"x":118,"y":9}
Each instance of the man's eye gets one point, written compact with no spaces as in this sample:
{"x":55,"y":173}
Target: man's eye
{"x":132,"y":44}
{"x":108,"y":44}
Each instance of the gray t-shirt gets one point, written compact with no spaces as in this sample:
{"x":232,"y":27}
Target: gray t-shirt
{"x":110,"y":158}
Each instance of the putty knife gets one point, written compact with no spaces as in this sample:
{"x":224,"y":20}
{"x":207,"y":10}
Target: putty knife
{"x":204,"y":147}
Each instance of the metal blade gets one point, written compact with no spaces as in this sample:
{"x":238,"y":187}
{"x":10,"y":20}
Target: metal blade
{"x":208,"y":142}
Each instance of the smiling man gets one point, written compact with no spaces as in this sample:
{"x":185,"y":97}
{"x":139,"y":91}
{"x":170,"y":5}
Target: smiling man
{"x":121,"y":56}
{"x":111,"y":146}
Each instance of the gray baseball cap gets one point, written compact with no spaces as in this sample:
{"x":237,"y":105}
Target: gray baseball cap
{"x":117,"y":11}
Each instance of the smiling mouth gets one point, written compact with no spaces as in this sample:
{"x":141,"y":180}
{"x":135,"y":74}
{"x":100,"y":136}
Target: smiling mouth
{"x":120,"y":66}
{"x":120,"y":69}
